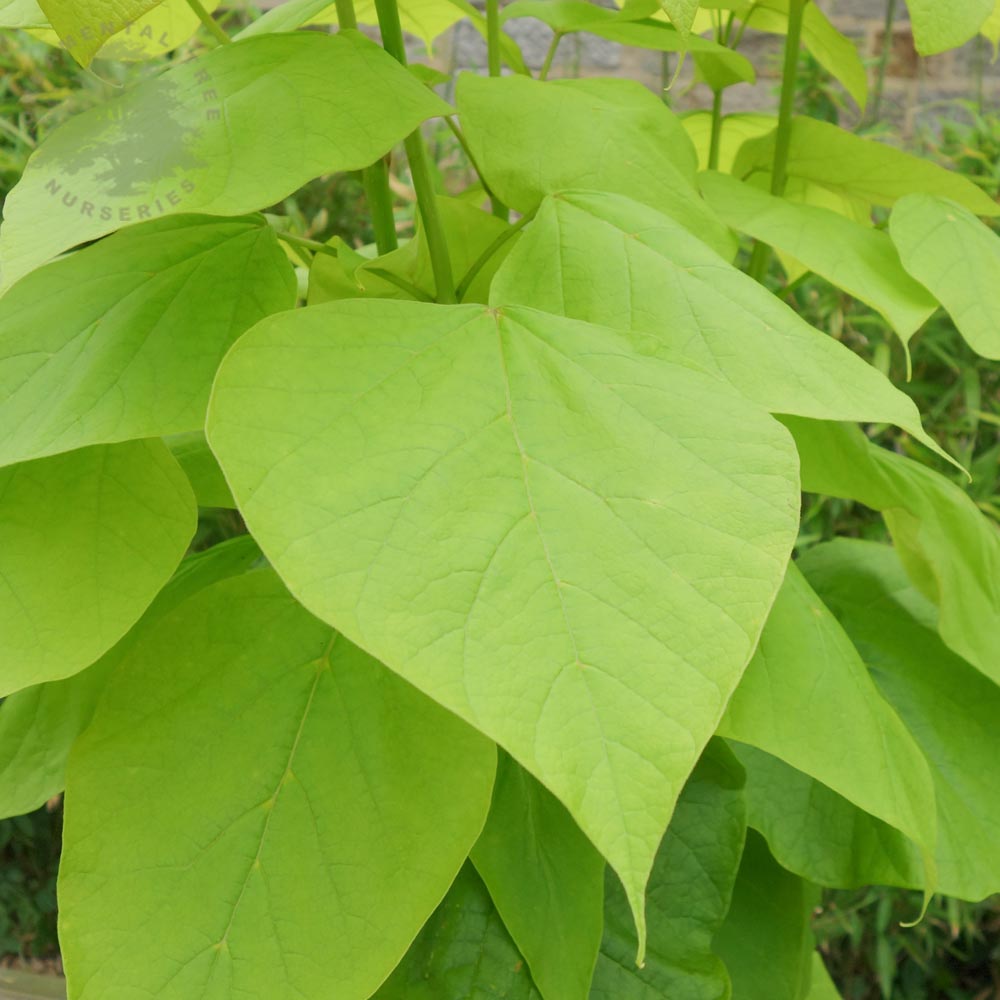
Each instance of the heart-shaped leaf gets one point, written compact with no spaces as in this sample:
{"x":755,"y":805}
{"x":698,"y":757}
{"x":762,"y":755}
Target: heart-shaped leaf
{"x":200,"y":138}
{"x":554,"y":529}
{"x":260,"y":808}
{"x":122,"y":340}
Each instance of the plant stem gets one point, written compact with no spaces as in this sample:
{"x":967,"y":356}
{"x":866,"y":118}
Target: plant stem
{"x":493,"y":36}
{"x":375,"y":177}
{"x":490,"y":251}
{"x":883,"y":62}
{"x":782,"y":142}
{"x":500,"y":210}
{"x":346,"y":18}
{"x":420,"y":171}
{"x":209,"y":22}
{"x":543,"y":73}
{"x":300,"y":242}
{"x":713,"y":149}
{"x":379,"y":198}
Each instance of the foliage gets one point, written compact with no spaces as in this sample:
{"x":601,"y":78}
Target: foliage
{"x":420,"y":618}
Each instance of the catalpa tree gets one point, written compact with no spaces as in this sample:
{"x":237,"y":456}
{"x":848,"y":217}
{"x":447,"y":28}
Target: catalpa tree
{"x":512,"y":689}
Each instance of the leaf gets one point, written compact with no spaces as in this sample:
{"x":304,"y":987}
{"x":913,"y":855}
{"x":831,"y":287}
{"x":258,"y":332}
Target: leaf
{"x":203,"y":472}
{"x":189,"y":140}
{"x":21,"y":14}
{"x":547,"y":882}
{"x":161,"y":30}
{"x":949,"y":250}
{"x":735,"y":129}
{"x":122,"y":340}
{"x":468,"y":232}
{"x":463,"y":953}
{"x":689,"y":894}
{"x":642,"y":271}
{"x":426,"y":19}
{"x":990,"y":29}
{"x":258,"y":807}
{"x":87,"y":539}
{"x":950,"y":550}
{"x":85,"y":27}
{"x":571,"y":124}
{"x":39,"y":725}
{"x":840,"y":160}
{"x":681,"y":13}
{"x":766,"y":941}
{"x":859,"y":259}
{"x":836,"y":53}
{"x":807,"y":691}
{"x":821,"y":987}
{"x":939,"y":25}
{"x":950,"y":708}
{"x":820,"y":835}
{"x":569,"y":16}
{"x":535,"y":521}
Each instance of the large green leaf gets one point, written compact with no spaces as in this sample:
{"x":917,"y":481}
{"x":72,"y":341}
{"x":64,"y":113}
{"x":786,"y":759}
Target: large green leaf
{"x":624,"y":266}
{"x":950,"y":708}
{"x":857,"y":258}
{"x":466,"y":953}
{"x":21,"y":14}
{"x":259,"y":808}
{"x":689,"y":894}
{"x":819,"y":834}
{"x":169,"y":24}
{"x":122,"y":340}
{"x":958,"y":258}
{"x":939,"y":25}
{"x":766,"y":940}
{"x":87,"y":539}
{"x":950,"y":549}
{"x":85,"y":27}
{"x":990,"y":29}
{"x":201,"y":138}
{"x":547,"y":882}
{"x":555,"y":529}
{"x":734,"y":130}
{"x":838,"y":159}
{"x":822,"y":986}
{"x":804,"y":681}
{"x":39,"y":725}
{"x":570,"y":125}
{"x":836,"y":53}
{"x":463,"y":953}
{"x":569,"y":16}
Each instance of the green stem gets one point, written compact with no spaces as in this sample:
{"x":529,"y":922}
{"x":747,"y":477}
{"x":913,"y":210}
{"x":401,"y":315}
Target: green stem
{"x":493,"y":36}
{"x":500,"y":210}
{"x":209,"y":22}
{"x":300,"y":242}
{"x":498,"y":244}
{"x":713,"y":149}
{"x":346,"y":17}
{"x":379,"y":197}
{"x":779,"y":171}
{"x":543,"y":74}
{"x":375,"y":177}
{"x":420,"y":171}
{"x":665,"y":78}
{"x":883,"y":62}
